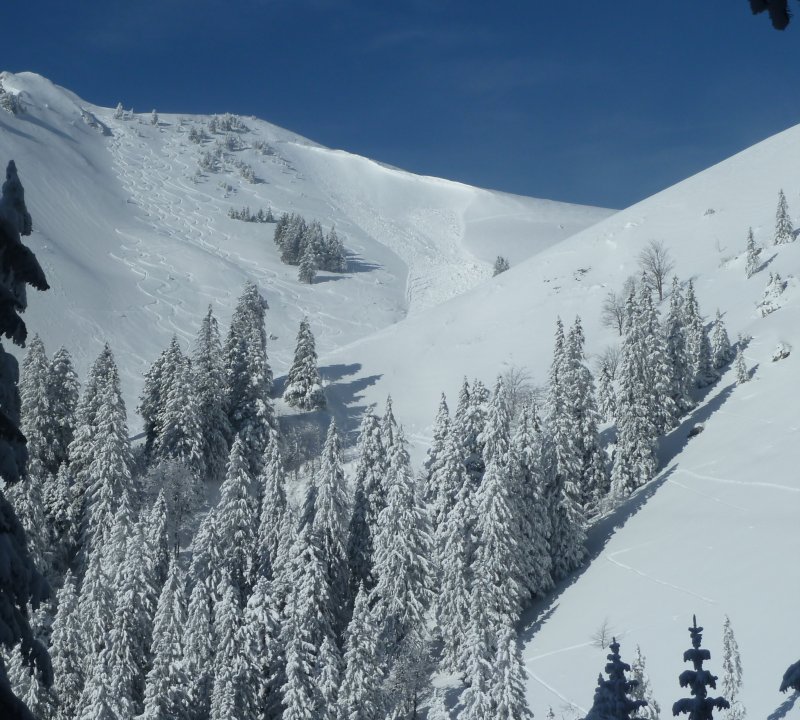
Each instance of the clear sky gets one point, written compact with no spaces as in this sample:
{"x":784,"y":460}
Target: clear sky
{"x":600,"y":102}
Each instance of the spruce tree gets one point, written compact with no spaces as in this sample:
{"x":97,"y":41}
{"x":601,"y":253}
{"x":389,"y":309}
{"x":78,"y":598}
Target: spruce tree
{"x":791,"y":678}
{"x":784,"y":231}
{"x":95,"y":608}
{"x":303,"y":383}
{"x":209,"y":385}
{"x":731,"y":673}
{"x":327,"y":677}
{"x":248,"y":376}
{"x":434,"y":458}
{"x":97,"y":700}
{"x":20,"y":582}
{"x":752,"y":263}
{"x":479,"y":656}
{"x":508,"y":681}
{"x":229,"y":696}
{"x":721,"y":351}
{"x":272,"y":483}
{"x":642,"y":690}
{"x":606,"y":395}
{"x":35,"y":407}
{"x":613,"y":699}
{"x":698,"y":344}
{"x":699,"y":706}
{"x":153,"y":397}
{"x":199,"y":643}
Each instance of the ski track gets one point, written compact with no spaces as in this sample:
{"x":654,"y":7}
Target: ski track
{"x":724,"y":481}
{"x":555,"y":692}
{"x":611,"y":557}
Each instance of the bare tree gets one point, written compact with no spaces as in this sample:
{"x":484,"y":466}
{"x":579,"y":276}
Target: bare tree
{"x":519,"y":389}
{"x":610,"y":358}
{"x":613,"y":313}
{"x":603,"y":635}
{"x":656,"y":263}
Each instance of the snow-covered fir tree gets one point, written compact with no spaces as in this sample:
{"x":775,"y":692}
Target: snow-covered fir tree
{"x":63,"y":389}
{"x":236,"y":519}
{"x":614,"y":697}
{"x":501,"y":264}
{"x":303,"y":383}
{"x":698,"y":343}
{"x":35,"y":407}
{"x":97,"y":701}
{"x":249,"y":377}
{"x":307,"y":271}
{"x":199,"y":644}
{"x":634,"y":459}
{"x":700,"y":706}
{"x":731,"y":673}
{"x":119,"y":111}
{"x":26,"y":497}
{"x":752,"y":252}
{"x":606,"y":394}
{"x":784,"y":230}
{"x":66,"y":650}
{"x":388,"y":425}
{"x":479,"y":654}
{"x":508,"y":682}
{"x":360,"y":692}
{"x":229,"y":695}
{"x":20,"y":582}
{"x":721,"y":351}
{"x":209,"y":386}
{"x":273,"y":512}
{"x":434,"y":457}
{"x":533,"y":516}
{"x":166,"y":695}
{"x":437,"y":709}
{"x":153,"y":397}
{"x":327,"y":678}
{"x":368,"y":501}
{"x":153,"y":117}
{"x":677,"y":352}
{"x":642,"y":690}
{"x":742,"y":373}
{"x":791,"y":678}
{"x":263,"y":651}
{"x":327,"y":510}
{"x":403,"y":592}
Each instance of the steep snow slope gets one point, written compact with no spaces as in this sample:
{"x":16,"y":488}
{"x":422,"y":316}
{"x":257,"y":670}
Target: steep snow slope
{"x":717,"y":532}
{"x":136,"y":242}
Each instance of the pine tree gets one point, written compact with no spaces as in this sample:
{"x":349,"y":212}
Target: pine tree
{"x":784,"y":231}
{"x":742,"y":373}
{"x":209,"y":385}
{"x":20,"y":582}
{"x":359,"y":694}
{"x":166,"y":695}
{"x":153,"y":398}
{"x":237,"y":520}
{"x":248,"y":376}
{"x":752,"y":263}
{"x":307,"y":271}
{"x":721,"y":351}
{"x":699,"y":706}
{"x":698,"y":344}
{"x":303,"y":383}
{"x":731,"y":673}
{"x":611,"y":699}
{"x":642,"y":690}
{"x":66,"y":650}
{"x":402,"y":548}
{"x":368,"y":502}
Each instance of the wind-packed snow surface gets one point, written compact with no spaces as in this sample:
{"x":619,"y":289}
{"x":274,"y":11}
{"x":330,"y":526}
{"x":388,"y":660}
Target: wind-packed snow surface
{"x":135,"y":248}
{"x":136,"y":243}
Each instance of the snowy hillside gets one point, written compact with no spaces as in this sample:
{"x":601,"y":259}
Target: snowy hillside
{"x":716,"y":532}
{"x":136,"y":241}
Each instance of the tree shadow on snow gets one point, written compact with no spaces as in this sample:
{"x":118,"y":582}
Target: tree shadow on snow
{"x":780,"y":712}
{"x":597,"y":537}
{"x":356,"y":264}
{"x":328,"y":278}
{"x":766,"y":263}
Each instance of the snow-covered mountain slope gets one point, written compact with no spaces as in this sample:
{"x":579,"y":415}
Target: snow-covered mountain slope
{"x":136,"y":242}
{"x":717,"y":531}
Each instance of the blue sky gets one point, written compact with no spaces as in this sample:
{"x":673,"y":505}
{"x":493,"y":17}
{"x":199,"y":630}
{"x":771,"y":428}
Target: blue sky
{"x":604,"y":104}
